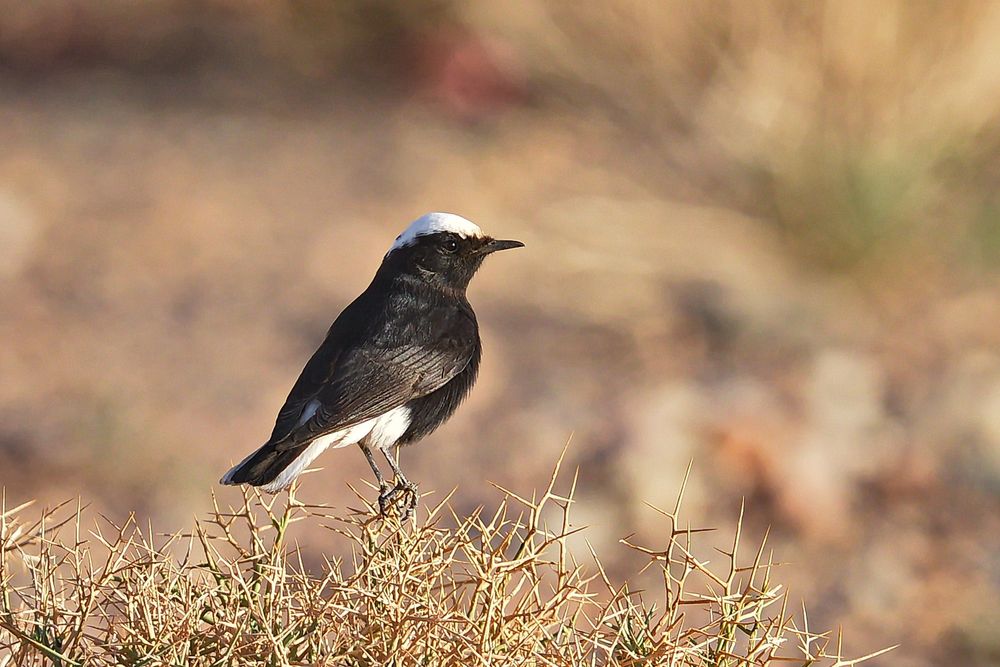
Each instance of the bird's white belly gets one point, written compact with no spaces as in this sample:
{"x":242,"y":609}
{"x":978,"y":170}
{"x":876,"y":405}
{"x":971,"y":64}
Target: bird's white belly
{"x":382,"y":432}
{"x":389,"y":428}
{"x":349,"y":436}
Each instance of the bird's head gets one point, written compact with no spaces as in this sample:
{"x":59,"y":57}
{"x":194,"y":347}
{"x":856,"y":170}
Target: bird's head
{"x":443,"y":249}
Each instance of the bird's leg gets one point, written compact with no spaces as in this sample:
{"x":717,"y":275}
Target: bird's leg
{"x":385,"y":493}
{"x":402,"y":485}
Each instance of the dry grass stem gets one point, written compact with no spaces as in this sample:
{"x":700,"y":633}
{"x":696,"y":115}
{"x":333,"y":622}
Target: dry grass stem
{"x":498,"y":587}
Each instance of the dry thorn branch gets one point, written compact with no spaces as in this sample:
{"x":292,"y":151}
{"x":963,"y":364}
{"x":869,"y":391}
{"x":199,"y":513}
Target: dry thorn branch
{"x":492,"y":588}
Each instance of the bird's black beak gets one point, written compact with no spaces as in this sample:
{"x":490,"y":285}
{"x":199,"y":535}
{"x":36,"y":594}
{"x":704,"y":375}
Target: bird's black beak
{"x":494,"y":245}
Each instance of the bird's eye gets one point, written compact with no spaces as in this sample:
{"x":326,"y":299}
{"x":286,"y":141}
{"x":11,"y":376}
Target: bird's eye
{"x":450,"y":245}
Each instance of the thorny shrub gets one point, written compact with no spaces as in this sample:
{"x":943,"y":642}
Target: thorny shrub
{"x":497,"y":588}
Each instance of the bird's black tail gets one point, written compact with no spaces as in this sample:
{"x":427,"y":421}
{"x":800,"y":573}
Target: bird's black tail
{"x":269,"y":467}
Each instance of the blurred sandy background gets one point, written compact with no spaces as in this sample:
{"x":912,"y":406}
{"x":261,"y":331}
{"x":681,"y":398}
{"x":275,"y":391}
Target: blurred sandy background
{"x":764,"y":237}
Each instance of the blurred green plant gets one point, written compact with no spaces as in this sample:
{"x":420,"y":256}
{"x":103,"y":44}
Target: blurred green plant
{"x":841,"y":207}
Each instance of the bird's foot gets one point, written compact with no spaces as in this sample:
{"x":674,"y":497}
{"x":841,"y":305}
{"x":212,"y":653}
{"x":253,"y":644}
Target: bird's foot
{"x":385,"y":496}
{"x":403,"y":497}
{"x":408,"y":503}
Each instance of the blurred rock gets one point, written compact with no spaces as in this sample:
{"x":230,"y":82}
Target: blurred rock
{"x":667,"y":434}
{"x":19,"y":234}
{"x":844,"y":441}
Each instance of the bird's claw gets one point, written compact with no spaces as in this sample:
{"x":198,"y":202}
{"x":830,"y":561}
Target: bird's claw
{"x":385,"y":496}
{"x":405,"y":506}
{"x":408,"y":504}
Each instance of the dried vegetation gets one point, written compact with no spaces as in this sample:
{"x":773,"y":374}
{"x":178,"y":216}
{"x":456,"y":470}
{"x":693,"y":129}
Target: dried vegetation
{"x":498,"y":587}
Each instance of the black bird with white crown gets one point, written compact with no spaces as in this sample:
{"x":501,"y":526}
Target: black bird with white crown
{"x":394,"y":366}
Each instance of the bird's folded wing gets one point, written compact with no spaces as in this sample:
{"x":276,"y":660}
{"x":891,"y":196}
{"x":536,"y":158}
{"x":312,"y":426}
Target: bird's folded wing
{"x":369,"y":381}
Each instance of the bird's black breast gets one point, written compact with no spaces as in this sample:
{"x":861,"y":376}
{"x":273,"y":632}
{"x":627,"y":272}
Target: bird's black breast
{"x":430,"y":411}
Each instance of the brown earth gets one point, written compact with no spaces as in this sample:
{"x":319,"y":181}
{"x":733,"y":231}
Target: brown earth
{"x":761,"y":237}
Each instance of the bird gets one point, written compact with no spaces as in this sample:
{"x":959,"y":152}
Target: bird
{"x":395,"y":364}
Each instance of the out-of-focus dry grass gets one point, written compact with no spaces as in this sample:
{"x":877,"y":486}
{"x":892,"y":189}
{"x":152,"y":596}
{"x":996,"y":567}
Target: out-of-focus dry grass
{"x":762,"y":236}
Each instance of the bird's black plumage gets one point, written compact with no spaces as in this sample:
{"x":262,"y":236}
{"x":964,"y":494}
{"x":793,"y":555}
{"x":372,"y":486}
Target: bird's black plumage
{"x":394,"y":365}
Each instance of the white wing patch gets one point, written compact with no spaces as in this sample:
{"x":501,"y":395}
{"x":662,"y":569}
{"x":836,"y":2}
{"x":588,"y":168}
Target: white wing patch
{"x":436,"y":222}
